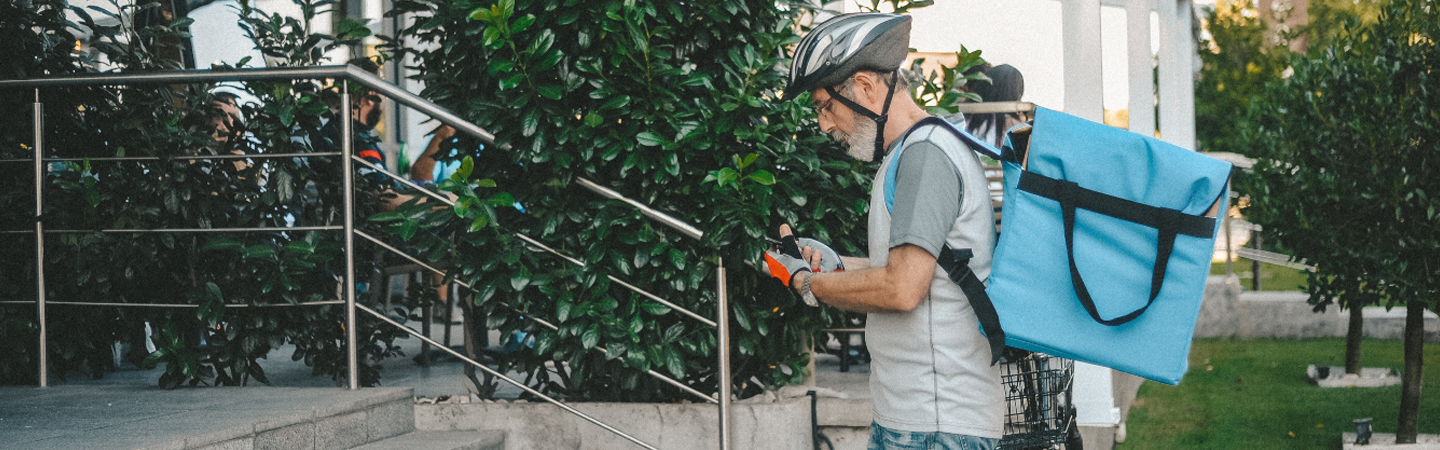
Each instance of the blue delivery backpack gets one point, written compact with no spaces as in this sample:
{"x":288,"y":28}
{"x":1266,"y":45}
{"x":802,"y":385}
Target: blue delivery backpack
{"x":1105,"y":245}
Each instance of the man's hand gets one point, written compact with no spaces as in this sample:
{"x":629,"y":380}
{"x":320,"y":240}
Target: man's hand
{"x":796,"y":255}
{"x":787,"y":260}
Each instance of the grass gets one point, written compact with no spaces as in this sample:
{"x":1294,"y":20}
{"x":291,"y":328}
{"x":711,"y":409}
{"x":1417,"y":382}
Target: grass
{"x":1253,"y":394}
{"x":1272,"y":277}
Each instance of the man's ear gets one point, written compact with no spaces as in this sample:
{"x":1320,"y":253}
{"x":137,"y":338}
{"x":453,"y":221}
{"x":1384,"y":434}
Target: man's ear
{"x":869,"y":89}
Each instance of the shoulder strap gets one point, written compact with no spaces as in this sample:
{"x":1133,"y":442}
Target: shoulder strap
{"x":976,"y":144}
{"x":957,"y":262}
{"x":957,"y":265}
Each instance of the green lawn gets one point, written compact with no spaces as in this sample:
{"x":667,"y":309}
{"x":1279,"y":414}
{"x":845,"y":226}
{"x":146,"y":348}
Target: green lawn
{"x":1253,"y":394}
{"x":1272,"y":277}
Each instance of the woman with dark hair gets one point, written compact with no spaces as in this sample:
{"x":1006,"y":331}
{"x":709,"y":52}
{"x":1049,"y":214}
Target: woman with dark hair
{"x":1005,"y":85}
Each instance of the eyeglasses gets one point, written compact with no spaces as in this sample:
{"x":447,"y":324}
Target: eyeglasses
{"x":824,"y":108}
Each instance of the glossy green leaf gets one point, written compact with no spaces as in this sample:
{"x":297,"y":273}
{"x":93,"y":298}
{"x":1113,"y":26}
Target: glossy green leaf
{"x":648,"y":139}
{"x":590,"y":337}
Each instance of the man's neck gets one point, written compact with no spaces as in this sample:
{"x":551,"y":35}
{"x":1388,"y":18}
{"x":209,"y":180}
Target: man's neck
{"x":903,"y":115}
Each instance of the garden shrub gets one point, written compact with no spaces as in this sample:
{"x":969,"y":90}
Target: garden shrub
{"x":675,"y":105}
{"x":210,"y":343}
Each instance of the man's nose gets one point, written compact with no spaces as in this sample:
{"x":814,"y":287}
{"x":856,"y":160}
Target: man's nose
{"x":826,"y":125}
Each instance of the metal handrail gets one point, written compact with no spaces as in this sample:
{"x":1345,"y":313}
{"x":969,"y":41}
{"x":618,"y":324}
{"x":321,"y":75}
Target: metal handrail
{"x":567,"y":258}
{"x":180,"y":158}
{"x":349,"y":72}
{"x":997,"y":108}
{"x":667,"y":220}
{"x":542,"y":322}
{"x":374,"y":83}
{"x":187,"y":230}
{"x":497,"y":374}
{"x":173,"y":305}
{"x":346,"y":74}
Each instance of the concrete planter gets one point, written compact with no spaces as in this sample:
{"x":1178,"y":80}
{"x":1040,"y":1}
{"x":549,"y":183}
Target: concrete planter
{"x":1335,"y":377}
{"x":1386,"y":441}
{"x":783,"y":425}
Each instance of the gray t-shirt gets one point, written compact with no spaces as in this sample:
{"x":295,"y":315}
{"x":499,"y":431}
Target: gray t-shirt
{"x":930,"y":368}
{"x":927,"y":198}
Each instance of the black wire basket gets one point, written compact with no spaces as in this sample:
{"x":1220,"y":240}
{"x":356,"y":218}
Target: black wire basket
{"x":1039,"y":413}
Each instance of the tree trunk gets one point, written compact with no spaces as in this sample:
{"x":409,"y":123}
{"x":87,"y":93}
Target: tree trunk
{"x":1353,"y":335}
{"x":1410,"y":381}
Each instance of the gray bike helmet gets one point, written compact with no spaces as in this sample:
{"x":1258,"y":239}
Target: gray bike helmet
{"x":846,"y":44}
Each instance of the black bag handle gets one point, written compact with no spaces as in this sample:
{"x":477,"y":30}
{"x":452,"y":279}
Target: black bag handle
{"x":1168,"y":222}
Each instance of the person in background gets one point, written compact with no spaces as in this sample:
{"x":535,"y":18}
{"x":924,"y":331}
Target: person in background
{"x":423,"y":170}
{"x":365,"y":109}
{"x":1005,"y":85}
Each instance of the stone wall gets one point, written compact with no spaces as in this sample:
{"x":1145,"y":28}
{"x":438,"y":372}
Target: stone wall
{"x":1228,"y":311}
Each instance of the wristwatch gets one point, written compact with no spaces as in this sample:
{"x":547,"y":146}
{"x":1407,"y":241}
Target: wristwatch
{"x":805,"y":294}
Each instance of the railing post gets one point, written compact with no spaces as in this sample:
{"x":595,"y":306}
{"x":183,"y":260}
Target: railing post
{"x":1229,"y":253}
{"x":347,"y":167}
{"x":722,"y":348}
{"x":40,"y":237}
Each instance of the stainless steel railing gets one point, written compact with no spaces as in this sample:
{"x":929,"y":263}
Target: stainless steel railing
{"x":347,"y":74}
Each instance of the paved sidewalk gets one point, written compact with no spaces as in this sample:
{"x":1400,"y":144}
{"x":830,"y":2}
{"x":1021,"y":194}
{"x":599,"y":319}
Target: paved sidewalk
{"x":139,"y":417}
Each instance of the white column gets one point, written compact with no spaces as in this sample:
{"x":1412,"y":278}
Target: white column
{"x":1141,"y":65}
{"x":1084,"y":98}
{"x":1177,"y":89}
{"x":1189,"y":60}
{"x":1084,"y":69}
{"x":1094,"y":397}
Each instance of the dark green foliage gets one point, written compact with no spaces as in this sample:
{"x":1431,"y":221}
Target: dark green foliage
{"x":1346,"y":175}
{"x":673,"y":104}
{"x":940,"y":92}
{"x":1347,"y":148}
{"x":1237,"y":60}
{"x":36,"y":43}
{"x":208,"y":344}
{"x":1243,"y":53}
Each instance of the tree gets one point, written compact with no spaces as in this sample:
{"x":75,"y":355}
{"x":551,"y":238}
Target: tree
{"x":1347,"y":151}
{"x":1242,"y":55}
{"x":1236,"y":62}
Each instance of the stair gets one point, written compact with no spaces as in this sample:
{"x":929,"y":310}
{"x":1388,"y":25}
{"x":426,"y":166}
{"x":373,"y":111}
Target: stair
{"x":441,"y":440}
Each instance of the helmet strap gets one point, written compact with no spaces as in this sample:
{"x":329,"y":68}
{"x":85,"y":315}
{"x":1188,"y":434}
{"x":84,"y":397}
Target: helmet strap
{"x":879,"y":119}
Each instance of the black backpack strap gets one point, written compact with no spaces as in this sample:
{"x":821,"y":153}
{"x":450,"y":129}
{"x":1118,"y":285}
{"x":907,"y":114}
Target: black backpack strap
{"x":957,"y":264}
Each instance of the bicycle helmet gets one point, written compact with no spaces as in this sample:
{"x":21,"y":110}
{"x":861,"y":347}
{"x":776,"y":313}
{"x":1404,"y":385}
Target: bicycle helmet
{"x":846,"y":44}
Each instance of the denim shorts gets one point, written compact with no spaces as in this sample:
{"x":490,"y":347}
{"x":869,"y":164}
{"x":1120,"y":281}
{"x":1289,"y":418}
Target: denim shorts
{"x":882,"y":438}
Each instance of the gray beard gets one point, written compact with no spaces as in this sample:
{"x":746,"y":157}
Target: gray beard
{"x":861,"y":143}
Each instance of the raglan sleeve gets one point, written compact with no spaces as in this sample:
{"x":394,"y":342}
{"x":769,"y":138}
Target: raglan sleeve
{"x":927,"y":198}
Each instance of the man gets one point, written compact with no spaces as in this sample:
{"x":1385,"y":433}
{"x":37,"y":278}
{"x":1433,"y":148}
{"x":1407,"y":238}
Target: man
{"x":932,"y":378}
{"x":365,"y":109}
{"x":227,"y":122}
{"x":365,"y":114}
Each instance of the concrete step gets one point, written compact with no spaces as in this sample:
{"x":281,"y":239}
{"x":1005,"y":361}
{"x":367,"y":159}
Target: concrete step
{"x":441,"y":440}
{"x":133,"y":417}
